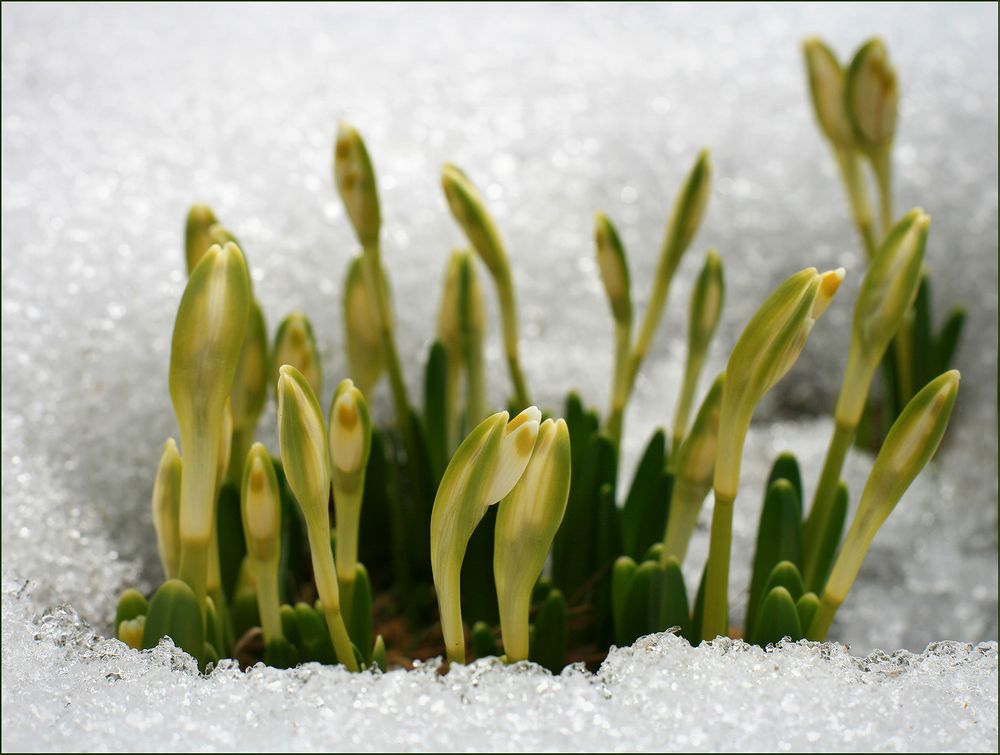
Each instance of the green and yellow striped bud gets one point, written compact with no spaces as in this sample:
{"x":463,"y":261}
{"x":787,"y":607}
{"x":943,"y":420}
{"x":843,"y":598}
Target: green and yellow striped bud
{"x":355,"y":178}
{"x":362,"y":328}
{"x":167,"y":507}
{"x":694,"y":466}
{"x":208,"y":336}
{"x":826,"y":85}
{"x":260,"y":504}
{"x":703,"y":319}
{"x":887,"y":294}
{"x":469,"y":209}
{"x":527,"y":521}
{"x":613,"y":267}
{"x":305,"y":458}
{"x":484,"y":469}
{"x":350,"y":441}
{"x":198,"y":236}
{"x":871,"y":96}
{"x":910,"y":444}
{"x":295,"y":344}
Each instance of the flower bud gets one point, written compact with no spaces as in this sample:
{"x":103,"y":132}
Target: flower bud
{"x":208,"y":337}
{"x":910,"y":444}
{"x":462,"y":314}
{"x":689,"y":208}
{"x":362,"y":328}
{"x":302,"y":440}
{"x":527,"y":521}
{"x":197,"y":234}
{"x":887,"y":293}
{"x":613,"y":266}
{"x":706,"y":304}
{"x":350,"y":431}
{"x":295,"y":344}
{"x":249,"y":392}
{"x":871,"y":96}
{"x":468,"y":208}
{"x":166,"y":508}
{"x":130,"y":632}
{"x":484,"y":469}
{"x":355,"y":179}
{"x":826,"y":84}
{"x":261,"y":506}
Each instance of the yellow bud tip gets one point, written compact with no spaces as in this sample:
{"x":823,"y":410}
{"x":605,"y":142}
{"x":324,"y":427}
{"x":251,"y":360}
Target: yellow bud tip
{"x":829,"y":284}
{"x":257,"y":477}
{"x":347,"y":411}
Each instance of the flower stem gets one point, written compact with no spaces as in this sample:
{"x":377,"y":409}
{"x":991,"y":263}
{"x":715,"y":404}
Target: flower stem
{"x":826,"y":490}
{"x":715,"y":622}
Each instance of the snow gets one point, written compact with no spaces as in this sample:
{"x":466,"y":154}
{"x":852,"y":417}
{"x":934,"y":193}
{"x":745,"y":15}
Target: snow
{"x":116,"y":119}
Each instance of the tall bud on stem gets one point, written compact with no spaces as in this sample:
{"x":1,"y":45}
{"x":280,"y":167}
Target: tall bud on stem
{"x":166,"y":508}
{"x":613,"y":267}
{"x":260,"y":505}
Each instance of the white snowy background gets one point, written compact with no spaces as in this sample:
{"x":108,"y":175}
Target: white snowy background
{"x":116,"y":119}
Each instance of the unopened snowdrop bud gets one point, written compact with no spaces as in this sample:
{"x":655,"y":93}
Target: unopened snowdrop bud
{"x":166,"y":509}
{"x":826,"y":84}
{"x":613,"y":266}
{"x":910,"y":444}
{"x":871,"y":96}
{"x":130,"y":632}
{"x":208,"y":337}
{"x":355,"y":179}
{"x":303,"y":444}
{"x":527,"y":521}
{"x":887,"y":294}
{"x":689,"y":208}
{"x":261,"y":507}
{"x":487,"y":464}
{"x":694,"y":465}
{"x":198,"y":234}
{"x":362,"y":328}
{"x":449,"y":327}
{"x":295,"y":344}
{"x":469,"y":209}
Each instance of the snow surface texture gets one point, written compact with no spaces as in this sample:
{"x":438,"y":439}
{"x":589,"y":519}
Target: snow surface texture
{"x":116,"y":119}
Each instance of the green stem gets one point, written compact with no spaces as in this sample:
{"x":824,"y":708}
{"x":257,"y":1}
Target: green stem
{"x":685,"y":401}
{"x":348,"y":508}
{"x":268,"y":602}
{"x":475,"y":410}
{"x":514,"y":626}
{"x":651,"y":320}
{"x":715,"y":620}
{"x":194,"y":569}
{"x":508,"y":315}
{"x":857,"y":198}
{"x":826,"y":491}
{"x":882,"y":166}
{"x":685,"y":504}
{"x":823,"y":619}
{"x":242,"y":440}
{"x":325,"y":574}
{"x":619,"y":388}
{"x":450,"y":609}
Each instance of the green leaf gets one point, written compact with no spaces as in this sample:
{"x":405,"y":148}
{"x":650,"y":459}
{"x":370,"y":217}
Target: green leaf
{"x":673,"y":599}
{"x":779,"y":538}
{"x":621,"y":584}
{"x":290,"y":625}
{"x":479,"y":588}
{"x":644,"y":514}
{"x":314,"y":637}
{"x":484,"y":644}
{"x":280,"y":653}
{"x":378,"y":654}
{"x":229,"y":532}
{"x":654,"y":552}
{"x":215,"y":631}
{"x":830,"y":539}
{"x":609,"y":545}
{"x":806,"y":606}
{"x":131,"y":605}
{"x":378,"y":535}
{"x":922,"y":358}
{"x":642,"y":603}
{"x":360,"y":625}
{"x":244,"y":613}
{"x":436,"y":418}
{"x":947,"y":340}
{"x":174,"y":612}
{"x":211,"y":656}
{"x":698,"y":614}
{"x":786,"y":467}
{"x":548,"y":647}
{"x":778,"y":618}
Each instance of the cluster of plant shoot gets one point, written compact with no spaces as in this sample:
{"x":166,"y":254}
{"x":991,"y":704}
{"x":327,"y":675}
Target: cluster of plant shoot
{"x":462,"y":530}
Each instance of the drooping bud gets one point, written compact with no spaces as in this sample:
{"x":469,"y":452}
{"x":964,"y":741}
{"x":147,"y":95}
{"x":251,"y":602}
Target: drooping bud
{"x":355,"y":179}
{"x":303,"y":444}
{"x":197,"y":234}
{"x":166,"y":509}
{"x":613,"y":266}
{"x":527,"y":521}
{"x":484,"y":469}
{"x":295,"y":344}
{"x":362,"y":328}
{"x":826,"y":84}
{"x":910,"y":444}
{"x":887,"y":293}
{"x":871,"y":96}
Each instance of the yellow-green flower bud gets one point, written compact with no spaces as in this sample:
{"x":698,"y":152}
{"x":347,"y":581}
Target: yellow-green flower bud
{"x":462,"y":314}
{"x":768,"y":347}
{"x":484,"y":469}
{"x":208,"y":337}
{"x":527,"y":521}
{"x":295,"y":344}
{"x":689,"y":208}
{"x":167,"y":507}
{"x":303,"y":444}
{"x":613,"y":266}
{"x":130,"y":632}
{"x":249,"y":392}
{"x":355,"y":179}
{"x":362,"y":328}
{"x":871,"y":96}
{"x":826,"y":84}
{"x":469,"y":209}
{"x":694,"y":465}
{"x":198,"y":234}
{"x":260,"y":505}
{"x":887,"y":294}
{"x":910,"y":444}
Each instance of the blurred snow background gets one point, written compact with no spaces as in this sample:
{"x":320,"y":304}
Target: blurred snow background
{"x":116,"y":119}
